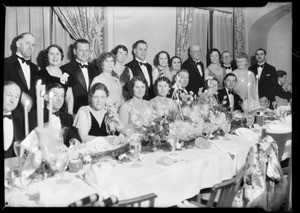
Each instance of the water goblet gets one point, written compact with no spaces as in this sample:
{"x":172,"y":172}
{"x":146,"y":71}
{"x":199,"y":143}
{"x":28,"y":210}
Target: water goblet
{"x":135,"y":151}
{"x":250,"y":120}
{"x":267,"y":103}
{"x":60,"y":162}
{"x":19,"y":151}
{"x":275,"y":105}
{"x":226,"y":128}
{"x":173,"y":142}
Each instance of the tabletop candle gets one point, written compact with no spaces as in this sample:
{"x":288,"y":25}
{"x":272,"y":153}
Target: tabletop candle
{"x":26,"y":118}
{"x":51,"y":94}
{"x":42,"y":93}
{"x":38,"y":103}
{"x":249,"y":99}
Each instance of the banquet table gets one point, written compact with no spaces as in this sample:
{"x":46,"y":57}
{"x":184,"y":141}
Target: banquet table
{"x":195,"y":169}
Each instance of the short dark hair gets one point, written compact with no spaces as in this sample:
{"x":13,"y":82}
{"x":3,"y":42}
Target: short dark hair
{"x":137,"y":42}
{"x":227,"y":75}
{"x":98,"y":86}
{"x":160,"y":79}
{"x":171,"y":60}
{"x":54,"y":85}
{"x":116,"y":49}
{"x":48,"y":49}
{"x":281,"y":73}
{"x":156,"y":61}
{"x":262,"y":50}
{"x":22,"y":35}
{"x":132,"y":83}
{"x":82,"y":41}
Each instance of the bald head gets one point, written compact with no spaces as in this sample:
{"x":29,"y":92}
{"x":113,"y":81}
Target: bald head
{"x":195,"y":52}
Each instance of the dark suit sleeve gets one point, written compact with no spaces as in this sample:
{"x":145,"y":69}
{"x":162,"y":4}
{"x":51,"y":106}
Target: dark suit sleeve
{"x":32,"y":117}
{"x":281,"y":93}
{"x":270,"y":94}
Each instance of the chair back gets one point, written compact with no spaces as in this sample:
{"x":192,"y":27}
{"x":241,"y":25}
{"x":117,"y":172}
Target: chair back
{"x":137,"y":201}
{"x":280,"y":138}
{"x":227,"y":191}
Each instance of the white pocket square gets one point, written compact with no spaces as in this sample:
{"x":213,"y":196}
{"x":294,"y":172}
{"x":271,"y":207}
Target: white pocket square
{"x":268,"y":75}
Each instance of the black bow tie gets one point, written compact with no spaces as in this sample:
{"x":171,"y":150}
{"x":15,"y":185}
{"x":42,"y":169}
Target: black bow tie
{"x":57,"y":113}
{"x":24,"y":60}
{"x":7,"y":116}
{"x":141,"y":63}
{"x":227,"y":68}
{"x":83,"y":65}
{"x":197,"y":63}
{"x":230,"y":92}
{"x":262,"y":66}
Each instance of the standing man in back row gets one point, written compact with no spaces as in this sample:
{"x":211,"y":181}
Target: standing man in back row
{"x":195,"y":68}
{"x":266,"y":76}
{"x":19,"y":69}
{"x":140,"y":67}
{"x":82,"y":73}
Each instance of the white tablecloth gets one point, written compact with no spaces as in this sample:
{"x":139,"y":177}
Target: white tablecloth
{"x":196,"y":169}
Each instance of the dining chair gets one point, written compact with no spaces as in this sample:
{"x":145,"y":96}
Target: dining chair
{"x":280,"y":139}
{"x":88,"y":201}
{"x":137,"y":201}
{"x":221,"y":194}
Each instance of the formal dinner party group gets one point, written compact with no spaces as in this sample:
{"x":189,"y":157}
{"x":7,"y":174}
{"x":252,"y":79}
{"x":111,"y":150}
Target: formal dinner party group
{"x":67,"y":118}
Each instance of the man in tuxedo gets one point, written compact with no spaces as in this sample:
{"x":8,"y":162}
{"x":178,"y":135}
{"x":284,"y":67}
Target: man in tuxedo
{"x":266,"y":76}
{"x":82,"y":73}
{"x":182,"y":78}
{"x":66,"y":119}
{"x":195,"y":68}
{"x":19,"y":68}
{"x":226,"y":96}
{"x":228,"y":63}
{"x":140,"y":67}
{"x":12,"y":125}
{"x":280,"y":91}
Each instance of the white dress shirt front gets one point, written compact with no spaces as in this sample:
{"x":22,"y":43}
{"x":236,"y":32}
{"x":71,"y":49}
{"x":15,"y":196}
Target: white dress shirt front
{"x":26,"y":70}
{"x":8,"y":132}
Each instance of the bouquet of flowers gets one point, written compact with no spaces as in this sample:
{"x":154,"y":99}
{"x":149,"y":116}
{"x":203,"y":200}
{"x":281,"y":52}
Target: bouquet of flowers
{"x":112,"y":119}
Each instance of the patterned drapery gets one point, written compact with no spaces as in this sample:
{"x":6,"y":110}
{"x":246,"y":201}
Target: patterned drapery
{"x":239,"y":30}
{"x":184,"y":20}
{"x":84,"y":22}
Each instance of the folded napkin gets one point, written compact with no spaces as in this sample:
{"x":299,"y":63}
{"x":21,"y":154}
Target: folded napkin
{"x":166,"y":161}
{"x":247,"y":133}
{"x":279,"y":128}
{"x":98,"y":177}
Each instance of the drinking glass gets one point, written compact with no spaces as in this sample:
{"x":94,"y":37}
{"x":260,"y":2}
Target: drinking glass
{"x":226,"y":128}
{"x":250,"y":120}
{"x":267,"y":103}
{"x":274,"y":104}
{"x":135,"y":151}
{"x":19,"y":151}
{"x":173,"y":141}
{"x":60,"y":162}
{"x":282,"y":114}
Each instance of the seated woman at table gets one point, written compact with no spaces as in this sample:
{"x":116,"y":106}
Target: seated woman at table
{"x":92,"y":121}
{"x":161,"y":103}
{"x":137,"y":112}
{"x":211,"y":86}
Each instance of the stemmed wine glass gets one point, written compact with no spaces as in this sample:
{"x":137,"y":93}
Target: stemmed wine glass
{"x":226,"y":128}
{"x":135,"y":151}
{"x":250,"y":120}
{"x":173,"y":141}
{"x":19,"y":151}
{"x":274,"y":104}
{"x":60,"y":161}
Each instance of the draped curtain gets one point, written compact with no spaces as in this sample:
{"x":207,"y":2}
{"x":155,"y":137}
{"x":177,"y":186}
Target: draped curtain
{"x":42,"y":23}
{"x":84,"y":22}
{"x":200,"y":28}
{"x":184,"y":20}
{"x":222,"y":31}
{"x":239,"y":30}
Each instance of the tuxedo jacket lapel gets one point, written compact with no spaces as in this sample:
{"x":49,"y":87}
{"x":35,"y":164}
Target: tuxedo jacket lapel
{"x":193,"y":64}
{"x":80,"y":77}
